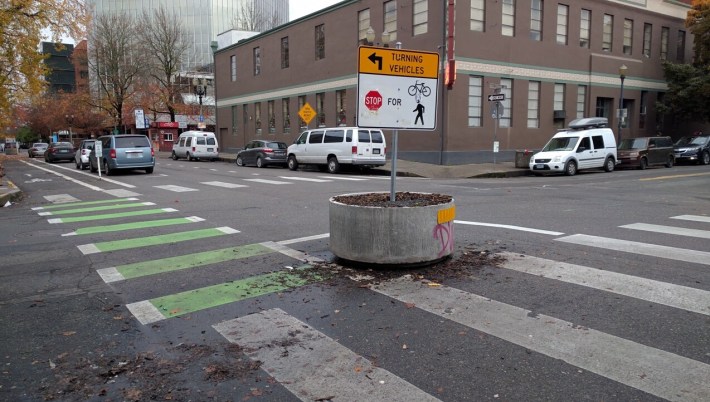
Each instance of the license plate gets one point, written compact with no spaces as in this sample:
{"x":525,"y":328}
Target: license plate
{"x":376,"y":151}
{"x":210,"y":149}
{"x":539,"y":166}
{"x":134,"y":155}
{"x":63,"y":151}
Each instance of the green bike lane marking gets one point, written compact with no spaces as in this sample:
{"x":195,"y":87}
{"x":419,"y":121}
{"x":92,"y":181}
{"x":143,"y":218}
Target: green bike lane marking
{"x":181,"y":262}
{"x":111,"y":216}
{"x":115,"y":245}
{"x":160,"y":308}
{"x":133,"y":225}
{"x":95,"y":209}
{"x":84,"y":203}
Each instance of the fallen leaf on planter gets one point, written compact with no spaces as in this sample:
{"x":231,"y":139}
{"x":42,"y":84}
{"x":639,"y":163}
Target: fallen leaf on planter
{"x":433,"y":284}
{"x":68,"y":333}
{"x":409,"y":305}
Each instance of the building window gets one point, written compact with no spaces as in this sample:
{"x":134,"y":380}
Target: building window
{"x":235,"y":123}
{"x":562,"y":22}
{"x":390,"y":26}
{"x":533,"y":104}
{"x":665,"y":32}
{"x":320,"y":42}
{"x":320,"y":111}
{"x":681,"y":47}
{"x":607,"y":32}
{"x":233,"y":67}
{"x":257,"y":61}
{"x":272,"y":116}
{"x":558,"y":101}
{"x":581,"y":100}
{"x":245,"y":116}
{"x":284,"y":52}
{"x":647,"y":35}
{"x":507,"y":89}
{"x":363,"y":23}
{"x":341,"y":108}
{"x":475,"y":99}
{"x":478,"y":15}
{"x":536,"y":20}
{"x":604,"y":106}
{"x":257,"y":117}
{"x":642,"y":109}
{"x":585,"y":25}
{"x":628,"y":36}
{"x":301,"y":104}
{"x":286,"y":115}
{"x":420,"y":17}
{"x":508,"y":23}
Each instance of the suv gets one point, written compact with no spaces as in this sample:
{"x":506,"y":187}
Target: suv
{"x":81,"y":158}
{"x":643,"y":152}
{"x":262,"y":153}
{"x":124,"y":151}
{"x":693,"y":149}
{"x":332,"y":147}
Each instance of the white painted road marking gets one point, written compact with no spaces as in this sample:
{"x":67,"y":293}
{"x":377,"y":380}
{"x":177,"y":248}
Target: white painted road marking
{"x":496,"y":225}
{"x":311,"y":365}
{"x":697,"y":218}
{"x":79,"y":182}
{"x":336,"y":177}
{"x":268,"y":181}
{"x":223,"y":184}
{"x":703,"y":234}
{"x":305,"y":179}
{"x":653,"y":250}
{"x":648,"y":369}
{"x":177,"y":189}
{"x":682,"y":297}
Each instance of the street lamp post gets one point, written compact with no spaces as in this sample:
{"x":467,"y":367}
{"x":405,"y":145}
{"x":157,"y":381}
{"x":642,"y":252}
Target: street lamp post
{"x":200,"y":91}
{"x":622,"y":75}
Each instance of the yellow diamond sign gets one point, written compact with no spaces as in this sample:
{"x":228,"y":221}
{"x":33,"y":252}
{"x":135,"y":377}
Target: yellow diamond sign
{"x":307,"y":113}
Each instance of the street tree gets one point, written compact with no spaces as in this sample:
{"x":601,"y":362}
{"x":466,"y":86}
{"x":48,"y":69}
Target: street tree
{"x":255,"y":16}
{"x":21,"y":30}
{"x":115,"y":62}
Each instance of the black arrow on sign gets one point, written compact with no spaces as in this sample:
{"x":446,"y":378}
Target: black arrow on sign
{"x":374,"y":58}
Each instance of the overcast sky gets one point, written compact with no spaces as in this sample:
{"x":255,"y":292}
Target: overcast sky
{"x":299,"y":8}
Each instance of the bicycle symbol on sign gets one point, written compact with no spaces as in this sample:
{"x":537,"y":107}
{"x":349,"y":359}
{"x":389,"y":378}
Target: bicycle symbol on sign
{"x":418,"y":89}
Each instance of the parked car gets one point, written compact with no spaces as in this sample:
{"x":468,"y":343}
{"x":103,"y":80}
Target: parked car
{"x":59,"y":151}
{"x":37,"y":149}
{"x":123,"y":151}
{"x":262,"y":153}
{"x":332,"y":147}
{"x":196,"y":145}
{"x":642,"y":152}
{"x":81,"y":158}
{"x":693,"y":149}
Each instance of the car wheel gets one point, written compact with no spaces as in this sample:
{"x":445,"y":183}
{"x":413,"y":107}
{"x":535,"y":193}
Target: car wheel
{"x":78,"y":165}
{"x":571,"y":168}
{"x":260,"y":162}
{"x":107,"y":169}
{"x":149,"y":170}
{"x":29,"y":155}
{"x":609,"y":165}
{"x":240,"y":161}
{"x":292,"y":163}
{"x":333,"y":165}
{"x":93,"y":169}
{"x":643,"y":164}
{"x":189,"y":157}
{"x":705,"y":158}
{"x":174,"y":156}
{"x":670,"y":162}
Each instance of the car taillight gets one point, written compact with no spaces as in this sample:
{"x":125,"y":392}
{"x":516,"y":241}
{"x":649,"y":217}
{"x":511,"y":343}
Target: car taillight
{"x":354,"y":149}
{"x":152,"y":151}
{"x":193,"y":149}
{"x":385,"y":150}
{"x":269,"y":151}
{"x":112,"y":154}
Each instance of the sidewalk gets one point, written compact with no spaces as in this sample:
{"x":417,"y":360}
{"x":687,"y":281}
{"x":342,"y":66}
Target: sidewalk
{"x":8,"y":190}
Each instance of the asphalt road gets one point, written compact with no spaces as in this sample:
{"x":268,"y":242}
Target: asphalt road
{"x":207,"y":281}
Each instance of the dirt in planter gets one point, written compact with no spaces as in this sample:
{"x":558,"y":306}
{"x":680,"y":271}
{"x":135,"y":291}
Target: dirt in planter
{"x":402,"y":199}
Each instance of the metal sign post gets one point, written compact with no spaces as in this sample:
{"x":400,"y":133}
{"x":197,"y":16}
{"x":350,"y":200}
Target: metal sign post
{"x":98,"y":150}
{"x":496,"y":113}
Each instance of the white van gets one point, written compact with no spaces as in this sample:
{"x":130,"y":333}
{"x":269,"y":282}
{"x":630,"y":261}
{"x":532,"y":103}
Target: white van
{"x":196,"y":145}
{"x":337,"y":146}
{"x":587,"y":144}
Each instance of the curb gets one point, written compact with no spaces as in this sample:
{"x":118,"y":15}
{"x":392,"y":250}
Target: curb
{"x":12,"y":193}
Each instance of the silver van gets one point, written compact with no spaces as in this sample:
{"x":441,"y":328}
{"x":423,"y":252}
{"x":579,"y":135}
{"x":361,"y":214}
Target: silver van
{"x":333,"y":147}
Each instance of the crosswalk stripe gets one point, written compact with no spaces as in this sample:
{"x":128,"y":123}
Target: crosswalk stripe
{"x":216,"y":295}
{"x":73,"y":219}
{"x":697,"y":218}
{"x":305,"y":179}
{"x":95,"y":209}
{"x":682,"y":297}
{"x":703,"y":234}
{"x":181,"y":262}
{"x":299,"y":255}
{"x":654,"y":250}
{"x":177,"y":189}
{"x":60,"y":198}
{"x":125,"y":244}
{"x":334,"y":177}
{"x":265,"y":181}
{"x":648,"y":369}
{"x":521,"y":228}
{"x":133,"y":226}
{"x":223,"y":184}
{"x":311,"y":365}
{"x":83,"y":203}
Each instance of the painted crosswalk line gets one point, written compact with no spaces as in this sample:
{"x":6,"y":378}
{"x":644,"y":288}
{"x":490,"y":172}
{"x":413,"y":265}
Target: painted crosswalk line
{"x":696,"y":218}
{"x":310,"y":179}
{"x":653,"y":250}
{"x":181,"y":262}
{"x":177,"y":189}
{"x":95,"y":209}
{"x":265,"y":181}
{"x":133,"y":226}
{"x":116,"y":215}
{"x":174,"y":305}
{"x":311,"y":365}
{"x":223,"y":184}
{"x":60,"y":198}
{"x":648,"y":369}
{"x":682,"y":297}
{"x":116,"y":245}
{"x":672,"y":230}
{"x":83,"y":204}
{"x":512,"y":227}
{"x":335,"y":177}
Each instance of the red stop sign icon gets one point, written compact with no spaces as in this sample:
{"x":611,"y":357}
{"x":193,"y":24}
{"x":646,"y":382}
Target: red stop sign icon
{"x":373,"y":100}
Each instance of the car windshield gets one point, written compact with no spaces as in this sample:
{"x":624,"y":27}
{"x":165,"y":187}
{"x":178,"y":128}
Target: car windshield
{"x":683,"y":141}
{"x":276,"y":145}
{"x":633,"y":143}
{"x":62,"y":145}
{"x":698,"y":141}
{"x":561,"y":144}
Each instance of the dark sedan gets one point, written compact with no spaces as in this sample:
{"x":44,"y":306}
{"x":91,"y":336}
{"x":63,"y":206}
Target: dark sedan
{"x":693,"y":149}
{"x":59,"y":151}
{"x":262,"y":153}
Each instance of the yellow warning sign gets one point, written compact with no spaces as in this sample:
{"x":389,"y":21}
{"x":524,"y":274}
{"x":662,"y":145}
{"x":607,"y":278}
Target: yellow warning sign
{"x":403,"y":63}
{"x":307,"y":113}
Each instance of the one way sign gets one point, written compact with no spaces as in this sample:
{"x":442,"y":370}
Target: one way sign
{"x":496,"y":97}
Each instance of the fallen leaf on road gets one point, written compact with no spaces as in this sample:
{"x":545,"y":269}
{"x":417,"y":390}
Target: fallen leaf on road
{"x":68,"y":333}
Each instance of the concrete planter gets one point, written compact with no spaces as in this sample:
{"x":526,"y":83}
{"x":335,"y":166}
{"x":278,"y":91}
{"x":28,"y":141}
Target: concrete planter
{"x":388,"y":235}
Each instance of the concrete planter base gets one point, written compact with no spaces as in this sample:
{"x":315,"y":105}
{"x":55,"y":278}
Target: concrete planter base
{"x":392,"y":235}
